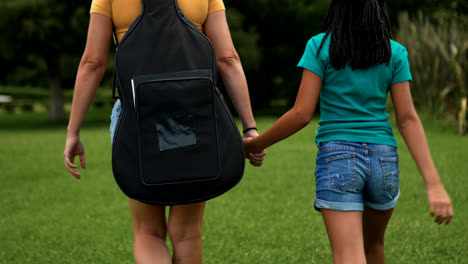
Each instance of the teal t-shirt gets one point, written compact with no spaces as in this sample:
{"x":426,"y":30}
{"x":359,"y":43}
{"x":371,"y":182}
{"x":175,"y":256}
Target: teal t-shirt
{"x":353,"y":102}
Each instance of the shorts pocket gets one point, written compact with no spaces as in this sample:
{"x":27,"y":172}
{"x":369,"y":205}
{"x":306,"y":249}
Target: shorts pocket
{"x":391,"y":173}
{"x":342,"y":171}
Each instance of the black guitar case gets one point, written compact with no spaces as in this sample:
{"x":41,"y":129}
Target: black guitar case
{"x":175,"y":141}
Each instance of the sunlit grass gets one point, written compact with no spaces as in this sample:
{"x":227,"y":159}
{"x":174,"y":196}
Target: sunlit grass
{"x":46,"y":216}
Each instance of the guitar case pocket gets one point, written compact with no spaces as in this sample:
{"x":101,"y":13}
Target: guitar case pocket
{"x":176,"y":125}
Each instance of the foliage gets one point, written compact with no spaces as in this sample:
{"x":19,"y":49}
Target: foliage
{"x":246,"y":40}
{"x":433,"y":8}
{"x":39,"y":38}
{"x":47,"y":216}
{"x":284,"y":27}
{"x":45,"y":38}
{"x":27,"y":99}
{"x":41,"y":45}
{"x":438,"y":55}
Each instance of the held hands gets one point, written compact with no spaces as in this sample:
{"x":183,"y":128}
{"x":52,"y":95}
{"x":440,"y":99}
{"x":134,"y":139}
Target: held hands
{"x":256,"y":157}
{"x":74,"y":147}
{"x":439,"y":203}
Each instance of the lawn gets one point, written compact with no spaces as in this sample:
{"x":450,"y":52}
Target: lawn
{"x":47,"y":216}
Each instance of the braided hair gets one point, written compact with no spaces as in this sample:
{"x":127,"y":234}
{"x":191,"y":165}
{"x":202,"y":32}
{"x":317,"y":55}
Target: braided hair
{"x":360,"y":33}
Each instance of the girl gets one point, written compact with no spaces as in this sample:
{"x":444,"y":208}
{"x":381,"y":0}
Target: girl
{"x":352,"y":66}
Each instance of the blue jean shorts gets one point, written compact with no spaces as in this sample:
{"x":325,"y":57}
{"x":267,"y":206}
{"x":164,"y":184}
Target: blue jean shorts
{"x":351,"y":175}
{"x":115,"y":118}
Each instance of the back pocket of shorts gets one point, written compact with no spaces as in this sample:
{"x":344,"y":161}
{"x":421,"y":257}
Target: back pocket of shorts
{"x":391,"y":173}
{"x":342,"y":171}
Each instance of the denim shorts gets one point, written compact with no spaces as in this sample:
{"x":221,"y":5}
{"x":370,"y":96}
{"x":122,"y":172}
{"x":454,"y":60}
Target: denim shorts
{"x":115,"y":118}
{"x":351,"y":175}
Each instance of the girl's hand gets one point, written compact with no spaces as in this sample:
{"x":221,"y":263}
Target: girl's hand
{"x":255,"y":156}
{"x":439,"y":203}
{"x":74,"y":147}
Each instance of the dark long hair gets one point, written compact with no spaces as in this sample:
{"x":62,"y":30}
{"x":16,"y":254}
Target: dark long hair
{"x":360,"y":33}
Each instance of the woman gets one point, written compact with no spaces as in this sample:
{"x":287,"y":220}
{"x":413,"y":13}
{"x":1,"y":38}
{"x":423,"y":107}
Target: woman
{"x":351,"y":68}
{"x":185,"y":222}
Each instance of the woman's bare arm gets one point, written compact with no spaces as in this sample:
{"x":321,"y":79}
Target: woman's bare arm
{"x":232,"y":73}
{"x":229,"y":66}
{"x":90,"y":72}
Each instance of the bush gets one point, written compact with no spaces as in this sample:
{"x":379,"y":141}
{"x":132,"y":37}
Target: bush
{"x":30,"y":99}
{"x":438,"y":56}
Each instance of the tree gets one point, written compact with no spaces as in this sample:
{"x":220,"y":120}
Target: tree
{"x":42,"y":39}
{"x":284,"y":27}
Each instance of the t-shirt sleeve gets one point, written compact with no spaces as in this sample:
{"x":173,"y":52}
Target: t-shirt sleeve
{"x":401,"y":69}
{"x":310,"y":60}
{"x":103,"y":7}
{"x":215,"y":5}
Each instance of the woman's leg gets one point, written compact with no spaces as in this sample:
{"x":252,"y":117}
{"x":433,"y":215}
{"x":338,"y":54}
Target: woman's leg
{"x":345,"y":234}
{"x":185,"y":231}
{"x":149,"y":225}
{"x":374,"y":224}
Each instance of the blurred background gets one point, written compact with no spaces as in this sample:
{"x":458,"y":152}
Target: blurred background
{"x":42,"y":41}
{"x":46,"y":216}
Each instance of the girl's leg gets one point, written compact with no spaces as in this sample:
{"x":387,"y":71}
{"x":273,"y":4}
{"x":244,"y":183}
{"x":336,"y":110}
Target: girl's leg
{"x":345,"y":234}
{"x":185,"y":231}
{"x":149,"y":225}
{"x":374,"y":223}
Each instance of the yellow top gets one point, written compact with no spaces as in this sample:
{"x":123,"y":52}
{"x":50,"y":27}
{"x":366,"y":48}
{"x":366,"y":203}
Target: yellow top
{"x":125,"y":12}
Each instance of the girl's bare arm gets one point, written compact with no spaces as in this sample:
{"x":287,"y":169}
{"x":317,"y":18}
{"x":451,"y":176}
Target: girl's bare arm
{"x":412,"y":131}
{"x":295,"y":119}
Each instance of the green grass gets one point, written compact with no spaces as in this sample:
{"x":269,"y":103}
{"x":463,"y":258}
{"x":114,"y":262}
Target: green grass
{"x":46,"y":216}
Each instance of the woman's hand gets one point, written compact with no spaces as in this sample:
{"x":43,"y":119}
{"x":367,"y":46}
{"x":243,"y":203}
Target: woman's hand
{"x":439,"y":203}
{"x":252,"y":152}
{"x":74,"y":147}
{"x":256,"y":158}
